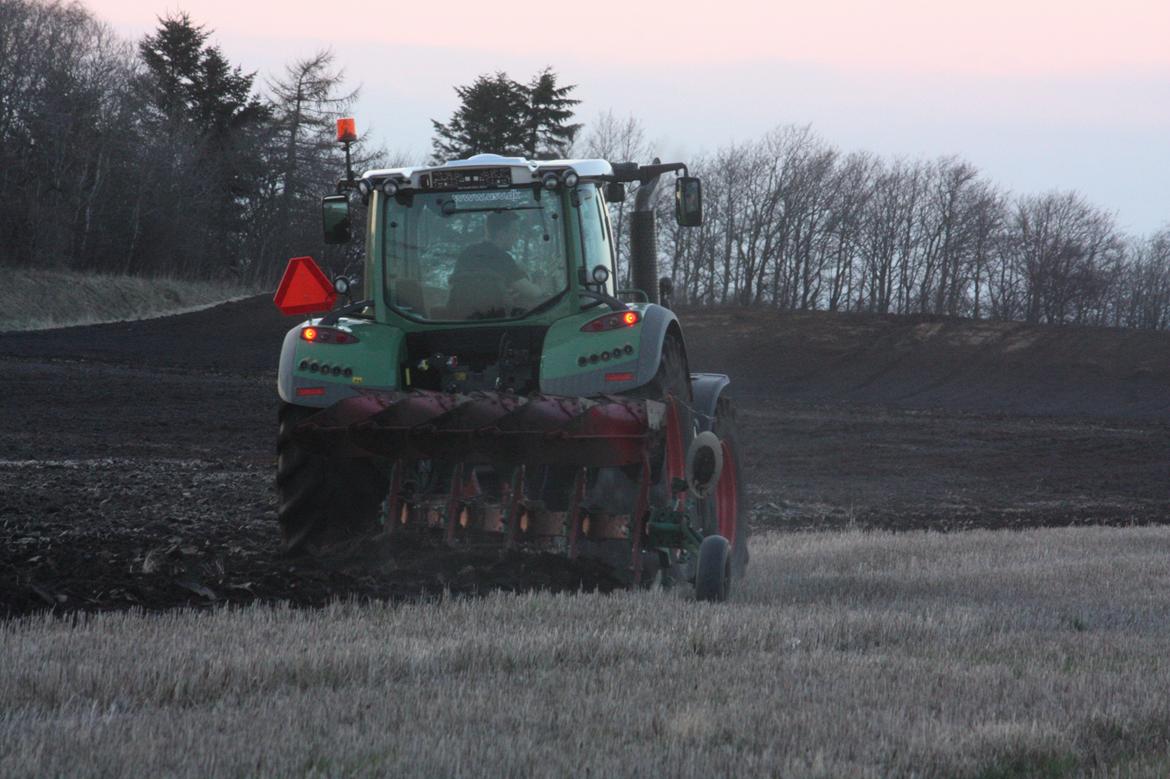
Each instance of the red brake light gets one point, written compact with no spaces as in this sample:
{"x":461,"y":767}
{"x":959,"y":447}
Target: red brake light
{"x":327,"y":335}
{"x":304,"y":288}
{"x":310,"y":391}
{"x":612,"y":322}
{"x":346,"y":130}
{"x":623,"y":376}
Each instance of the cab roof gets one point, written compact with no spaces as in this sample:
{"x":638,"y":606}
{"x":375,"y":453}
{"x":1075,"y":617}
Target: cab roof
{"x":585,"y":168}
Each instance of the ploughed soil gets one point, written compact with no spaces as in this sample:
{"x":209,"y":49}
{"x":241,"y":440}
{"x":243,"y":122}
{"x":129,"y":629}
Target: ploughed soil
{"x":137,"y":459}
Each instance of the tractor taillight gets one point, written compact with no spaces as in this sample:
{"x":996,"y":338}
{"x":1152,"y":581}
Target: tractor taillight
{"x":612,"y":322}
{"x":327,"y":335}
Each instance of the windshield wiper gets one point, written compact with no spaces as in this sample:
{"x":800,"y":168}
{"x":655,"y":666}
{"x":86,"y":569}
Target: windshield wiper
{"x":449,"y":209}
{"x":546,"y":305}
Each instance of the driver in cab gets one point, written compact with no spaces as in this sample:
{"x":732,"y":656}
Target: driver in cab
{"x":494,"y":256}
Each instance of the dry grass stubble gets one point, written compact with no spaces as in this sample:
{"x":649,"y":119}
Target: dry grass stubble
{"x":41,"y":299}
{"x":977,"y":654}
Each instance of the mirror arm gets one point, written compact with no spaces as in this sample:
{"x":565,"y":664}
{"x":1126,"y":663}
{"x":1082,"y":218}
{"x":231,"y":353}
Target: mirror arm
{"x":657,"y":168}
{"x":632,"y":171}
{"x":643,"y":198}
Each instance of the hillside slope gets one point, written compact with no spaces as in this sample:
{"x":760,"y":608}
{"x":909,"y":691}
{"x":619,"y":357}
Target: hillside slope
{"x":905,"y":362}
{"x":934,"y":362}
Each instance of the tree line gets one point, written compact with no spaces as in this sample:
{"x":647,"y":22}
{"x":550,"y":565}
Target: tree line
{"x":159,"y":157}
{"x":793,"y":222}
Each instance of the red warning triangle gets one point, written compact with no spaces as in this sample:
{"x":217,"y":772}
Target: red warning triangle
{"x":304,"y":288}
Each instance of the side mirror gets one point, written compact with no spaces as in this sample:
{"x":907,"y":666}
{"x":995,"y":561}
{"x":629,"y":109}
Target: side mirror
{"x":615,"y":192}
{"x":335,"y":218}
{"x":688,"y":201}
{"x":665,"y":291}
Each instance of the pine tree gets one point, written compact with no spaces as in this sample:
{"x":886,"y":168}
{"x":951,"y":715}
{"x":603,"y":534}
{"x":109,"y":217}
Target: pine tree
{"x":201,"y":145}
{"x":189,"y":83}
{"x":173,"y":56}
{"x":222,"y":99}
{"x":306,"y":103}
{"x":305,"y":158}
{"x":497,"y":114}
{"x":550,"y":135}
{"x":490,"y":118}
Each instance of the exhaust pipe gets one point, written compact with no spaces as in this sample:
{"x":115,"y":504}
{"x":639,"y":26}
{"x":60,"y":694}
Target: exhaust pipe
{"x":643,"y":240}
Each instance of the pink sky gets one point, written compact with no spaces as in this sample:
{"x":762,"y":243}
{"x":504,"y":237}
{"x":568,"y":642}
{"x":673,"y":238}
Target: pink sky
{"x":989,"y":36}
{"x":1040,"y":94}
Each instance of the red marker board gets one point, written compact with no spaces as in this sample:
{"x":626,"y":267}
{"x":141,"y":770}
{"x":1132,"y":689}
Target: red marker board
{"x":304,"y":288}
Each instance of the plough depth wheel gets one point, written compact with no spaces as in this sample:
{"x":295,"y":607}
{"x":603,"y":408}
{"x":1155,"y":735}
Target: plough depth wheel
{"x":725,"y":511}
{"x":713,"y":569}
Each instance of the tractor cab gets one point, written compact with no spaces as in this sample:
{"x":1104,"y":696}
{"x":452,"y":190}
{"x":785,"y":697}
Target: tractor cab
{"x":492,"y":238}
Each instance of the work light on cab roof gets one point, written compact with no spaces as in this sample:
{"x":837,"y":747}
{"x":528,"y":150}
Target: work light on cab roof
{"x":492,"y":382}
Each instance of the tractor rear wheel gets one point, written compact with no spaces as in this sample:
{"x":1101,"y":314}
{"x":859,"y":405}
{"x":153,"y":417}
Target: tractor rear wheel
{"x":323,"y":500}
{"x":672,"y":378}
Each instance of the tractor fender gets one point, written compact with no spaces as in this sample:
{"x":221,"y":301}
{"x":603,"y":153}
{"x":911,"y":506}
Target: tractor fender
{"x":656,"y":323}
{"x":284,"y":374}
{"x":287,"y":381}
{"x":370,"y":364}
{"x":706,"y":389}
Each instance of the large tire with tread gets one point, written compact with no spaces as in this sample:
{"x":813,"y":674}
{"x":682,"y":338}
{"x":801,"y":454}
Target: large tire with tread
{"x":725,"y":511}
{"x":323,"y":500}
{"x":672,"y":376}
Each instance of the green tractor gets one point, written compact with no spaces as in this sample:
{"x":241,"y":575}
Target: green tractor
{"x":491,"y":385}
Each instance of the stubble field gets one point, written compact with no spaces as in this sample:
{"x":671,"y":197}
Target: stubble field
{"x":1037,"y":653}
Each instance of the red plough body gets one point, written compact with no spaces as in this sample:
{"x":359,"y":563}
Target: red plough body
{"x":516,"y":436}
{"x":489,"y":428}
